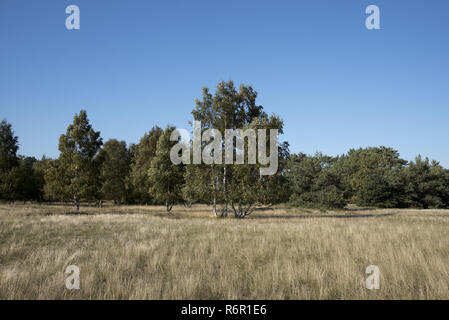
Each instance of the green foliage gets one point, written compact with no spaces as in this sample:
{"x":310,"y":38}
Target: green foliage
{"x":114,"y":170}
{"x":203,"y":183}
{"x":39,"y":168}
{"x":246,"y":186}
{"x":315,"y":181}
{"x":76,"y":173}
{"x":368,"y":177}
{"x":382,"y":188}
{"x":427,"y":184}
{"x":240,"y":186}
{"x":9,"y":144}
{"x":18,"y":178}
{"x":358,"y":164}
{"x":141,"y":156}
{"x":164,"y":177}
{"x":144,"y":173}
{"x":22,"y":182}
{"x":56,"y":182}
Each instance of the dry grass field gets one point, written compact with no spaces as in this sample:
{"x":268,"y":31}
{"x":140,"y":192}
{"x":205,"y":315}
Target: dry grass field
{"x":141,"y":252}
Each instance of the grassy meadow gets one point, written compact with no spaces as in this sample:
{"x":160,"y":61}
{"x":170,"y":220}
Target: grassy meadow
{"x":142,"y":252}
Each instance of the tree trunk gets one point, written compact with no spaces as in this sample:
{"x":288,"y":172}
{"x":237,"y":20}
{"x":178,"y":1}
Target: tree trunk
{"x":76,"y":204}
{"x":188,"y":204}
{"x":215,"y":207}
{"x":168,"y":206}
{"x":225,"y":213}
{"x":215,"y":182}
{"x":241,"y":212}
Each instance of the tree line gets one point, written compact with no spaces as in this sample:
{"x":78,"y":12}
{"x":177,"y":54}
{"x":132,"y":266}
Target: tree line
{"x":89,"y":170}
{"x":374,"y":176}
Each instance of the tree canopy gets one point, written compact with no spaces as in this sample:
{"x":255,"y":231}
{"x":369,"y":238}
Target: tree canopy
{"x":76,"y":173}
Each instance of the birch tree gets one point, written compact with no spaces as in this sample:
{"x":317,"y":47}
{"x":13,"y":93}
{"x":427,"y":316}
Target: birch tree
{"x":76,"y":173}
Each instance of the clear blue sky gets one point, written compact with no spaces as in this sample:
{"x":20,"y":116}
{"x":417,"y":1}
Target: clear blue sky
{"x":134,"y":64}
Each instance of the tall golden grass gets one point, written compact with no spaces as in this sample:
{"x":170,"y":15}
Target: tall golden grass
{"x":141,"y":252}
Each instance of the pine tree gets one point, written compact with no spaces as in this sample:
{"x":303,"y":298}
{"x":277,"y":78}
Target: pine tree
{"x":315,"y":181}
{"x":427,"y":184}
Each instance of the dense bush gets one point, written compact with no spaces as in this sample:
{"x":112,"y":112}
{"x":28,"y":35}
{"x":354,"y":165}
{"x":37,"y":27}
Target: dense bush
{"x":315,"y":181}
{"x":427,"y":184}
{"x":367,"y":177}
